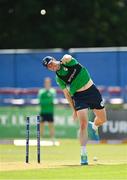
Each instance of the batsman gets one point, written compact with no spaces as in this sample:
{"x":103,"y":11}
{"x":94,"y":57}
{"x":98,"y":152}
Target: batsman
{"x":81,"y":93}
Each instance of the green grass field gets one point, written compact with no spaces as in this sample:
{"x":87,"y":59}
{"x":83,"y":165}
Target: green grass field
{"x":63,"y":162}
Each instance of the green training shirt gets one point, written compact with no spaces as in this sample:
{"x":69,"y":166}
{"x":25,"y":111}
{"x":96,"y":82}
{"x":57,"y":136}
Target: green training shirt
{"x":78,"y":82}
{"x":46,"y":100}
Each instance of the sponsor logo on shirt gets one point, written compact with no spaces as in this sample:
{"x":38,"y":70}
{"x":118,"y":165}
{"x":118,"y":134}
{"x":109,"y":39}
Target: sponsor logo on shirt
{"x":72,"y":75}
{"x":102,"y":103}
{"x":65,"y":69}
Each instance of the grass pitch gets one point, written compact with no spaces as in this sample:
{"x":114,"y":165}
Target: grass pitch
{"x":63,"y":162}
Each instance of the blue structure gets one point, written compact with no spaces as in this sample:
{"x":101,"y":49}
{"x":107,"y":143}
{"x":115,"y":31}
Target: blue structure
{"x":22,"y":68}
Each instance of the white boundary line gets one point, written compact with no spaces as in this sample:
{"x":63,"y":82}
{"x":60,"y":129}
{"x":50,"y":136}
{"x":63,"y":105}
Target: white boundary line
{"x":105,"y":49}
{"x":22,"y":51}
{"x":22,"y":142}
{"x":71,"y":50}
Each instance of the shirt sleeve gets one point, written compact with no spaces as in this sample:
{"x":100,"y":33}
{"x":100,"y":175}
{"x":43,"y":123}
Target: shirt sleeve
{"x":72,"y":62}
{"x":40,"y":93}
{"x":60,"y":82}
{"x":53,"y":92}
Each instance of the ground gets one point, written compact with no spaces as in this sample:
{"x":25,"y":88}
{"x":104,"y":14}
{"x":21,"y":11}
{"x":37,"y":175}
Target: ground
{"x":63,"y":162}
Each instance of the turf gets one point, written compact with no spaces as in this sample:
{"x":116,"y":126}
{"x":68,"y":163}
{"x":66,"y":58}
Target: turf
{"x":63,"y":162}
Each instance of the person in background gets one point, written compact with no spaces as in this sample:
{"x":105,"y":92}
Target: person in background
{"x":46,"y":97}
{"x":81,"y":93}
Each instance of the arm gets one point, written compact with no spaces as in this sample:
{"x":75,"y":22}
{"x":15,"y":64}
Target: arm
{"x":68,"y":97}
{"x":66,"y":58}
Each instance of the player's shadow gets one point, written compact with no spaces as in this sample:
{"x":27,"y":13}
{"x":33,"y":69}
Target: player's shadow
{"x":78,"y":165}
{"x":70,"y":165}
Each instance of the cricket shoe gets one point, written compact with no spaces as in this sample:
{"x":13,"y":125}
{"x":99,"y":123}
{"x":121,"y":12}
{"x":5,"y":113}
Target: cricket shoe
{"x":92,"y":134}
{"x":84,"y":159}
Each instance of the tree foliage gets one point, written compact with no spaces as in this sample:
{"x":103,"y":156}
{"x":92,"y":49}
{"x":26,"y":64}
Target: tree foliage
{"x":83,"y":23}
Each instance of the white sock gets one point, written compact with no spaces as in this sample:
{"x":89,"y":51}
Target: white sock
{"x":83,"y":150}
{"x":94,"y":126}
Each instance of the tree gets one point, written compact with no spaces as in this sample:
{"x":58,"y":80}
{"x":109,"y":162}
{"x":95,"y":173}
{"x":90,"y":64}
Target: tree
{"x":84,"y":23}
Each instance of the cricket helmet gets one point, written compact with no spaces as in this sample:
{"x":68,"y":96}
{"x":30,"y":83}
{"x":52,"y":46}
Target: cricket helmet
{"x":46,"y":60}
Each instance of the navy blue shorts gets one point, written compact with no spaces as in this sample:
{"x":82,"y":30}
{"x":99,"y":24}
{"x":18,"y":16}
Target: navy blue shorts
{"x":90,"y":98}
{"x":47,"y":117}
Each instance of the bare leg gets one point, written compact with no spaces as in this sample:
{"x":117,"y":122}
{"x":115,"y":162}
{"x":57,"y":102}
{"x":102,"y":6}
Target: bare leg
{"x":83,"y":135}
{"x":100,"y":117}
{"x":83,"y":118}
{"x":51,"y":130}
{"x":42,"y":129}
